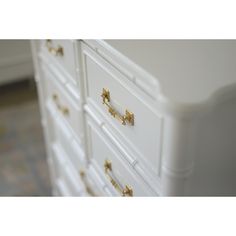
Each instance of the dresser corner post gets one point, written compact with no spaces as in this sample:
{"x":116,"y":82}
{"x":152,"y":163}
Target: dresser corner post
{"x":178,"y":155}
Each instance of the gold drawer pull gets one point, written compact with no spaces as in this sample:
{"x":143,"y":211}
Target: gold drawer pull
{"x":63,"y":109}
{"x":124,"y":119}
{"x":87,"y":187}
{"x":56,"y":51}
{"x":127,"y":191}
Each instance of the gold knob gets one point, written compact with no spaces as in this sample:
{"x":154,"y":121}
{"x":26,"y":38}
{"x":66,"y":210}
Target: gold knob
{"x":87,"y":187}
{"x":127,"y":191}
{"x":63,"y":109}
{"x":56,"y":51}
{"x":107,"y":166}
{"x":54,"y":97}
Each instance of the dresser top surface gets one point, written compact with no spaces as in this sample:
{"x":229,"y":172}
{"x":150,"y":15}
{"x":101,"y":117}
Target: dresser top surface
{"x":188,"y":71}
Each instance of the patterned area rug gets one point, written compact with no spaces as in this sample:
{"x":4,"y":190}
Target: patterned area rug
{"x":23,"y":166}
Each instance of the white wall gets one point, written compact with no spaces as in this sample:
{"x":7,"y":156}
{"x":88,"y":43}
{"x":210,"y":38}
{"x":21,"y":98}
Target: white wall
{"x":15,"y":60}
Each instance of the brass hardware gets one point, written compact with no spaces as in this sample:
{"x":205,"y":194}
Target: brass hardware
{"x":127,"y":191}
{"x":63,"y":109}
{"x":87,"y":187}
{"x":58,"y":51}
{"x":55,"y":97}
{"x":124,"y":119}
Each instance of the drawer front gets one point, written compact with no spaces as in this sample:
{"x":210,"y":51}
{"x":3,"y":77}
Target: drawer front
{"x":121,"y":106}
{"x":79,"y":180}
{"x":62,"y":54}
{"x":92,"y":186}
{"x":116,"y":172}
{"x":73,"y":149}
{"x":61,"y":189}
{"x":58,"y":183}
{"x":65,"y":172}
{"x":61,"y":101}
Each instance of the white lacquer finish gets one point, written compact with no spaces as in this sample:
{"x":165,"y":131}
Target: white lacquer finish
{"x":124,"y":96}
{"x":122,"y":172}
{"x":182,"y":94}
{"x":66,"y":62}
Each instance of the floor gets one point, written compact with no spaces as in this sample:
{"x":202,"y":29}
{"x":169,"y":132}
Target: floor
{"x":23,"y":166}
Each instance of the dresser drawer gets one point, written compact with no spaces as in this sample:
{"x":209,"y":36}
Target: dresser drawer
{"x":66,"y":106}
{"x":65,"y":172}
{"x":72,"y":147}
{"x":59,"y":185}
{"x":93,"y":187}
{"x":112,"y":166}
{"x":61,"y":189}
{"x":62,"y":55}
{"x":78,"y":180}
{"x":121,"y":106}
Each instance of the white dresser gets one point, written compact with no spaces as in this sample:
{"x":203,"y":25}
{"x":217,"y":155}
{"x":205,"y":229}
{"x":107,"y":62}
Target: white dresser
{"x":138,"y":117}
